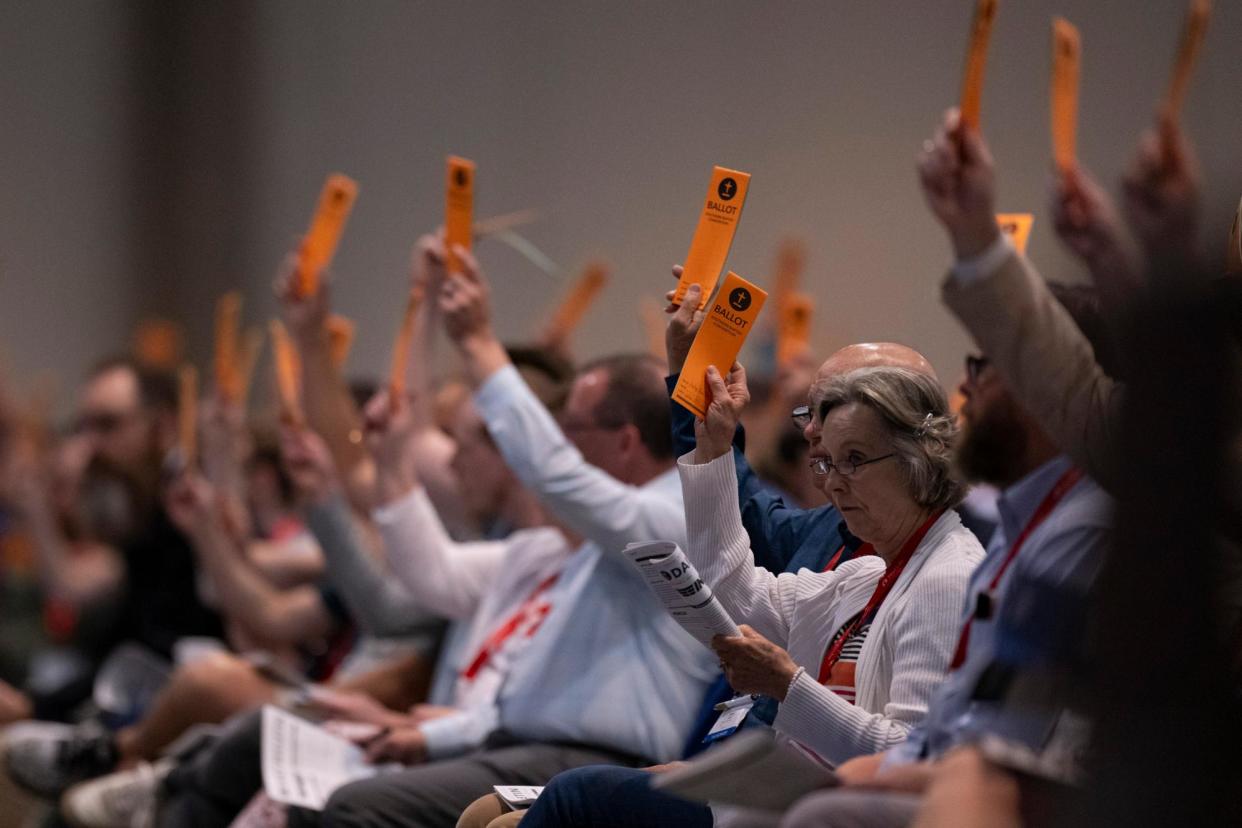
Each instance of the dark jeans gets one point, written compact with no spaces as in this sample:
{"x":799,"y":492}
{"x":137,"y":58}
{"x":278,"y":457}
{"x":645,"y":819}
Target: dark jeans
{"x":600,"y":796}
{"x":211,"y":788}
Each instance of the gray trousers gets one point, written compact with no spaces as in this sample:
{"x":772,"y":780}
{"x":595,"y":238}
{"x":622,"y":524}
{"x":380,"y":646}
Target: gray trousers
{"x":435,"y":794}
{"x":211,"y":788}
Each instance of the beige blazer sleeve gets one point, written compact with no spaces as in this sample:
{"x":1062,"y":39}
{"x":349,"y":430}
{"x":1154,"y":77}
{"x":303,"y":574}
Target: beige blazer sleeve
{"x":1047,"y":362}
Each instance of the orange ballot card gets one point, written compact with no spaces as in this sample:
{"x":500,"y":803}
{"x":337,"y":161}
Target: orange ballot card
{"x":719,"y":340}
{"x":976,"y":59}
{"x":401,"y":348}
{"x":1234,"y":258}
{"x":187,"y":414}
{"x":1187,"y":54}
{"x":1066,"y":62}
{"x":793,"y":333}
{"x":577,"y":302}
{"x":228,"y":323}
{"x":649,"y":310}
{"x":335,"y":202}
{"x":288,"y":373}
{"x":340,"y":338}
{"x":722,"y":209}
{"x":1017,"y":226}
{"x":158,"y":343}
{"x":458,"y":207}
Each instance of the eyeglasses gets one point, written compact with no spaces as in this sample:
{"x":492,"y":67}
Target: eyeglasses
{"x":801,"y":416}
{"x":975,"y":366}
{"x":845,"y":468}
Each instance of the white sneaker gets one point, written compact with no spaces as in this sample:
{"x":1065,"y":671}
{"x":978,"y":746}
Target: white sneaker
{"x":45,"y":758}
{"x":126,"y":799}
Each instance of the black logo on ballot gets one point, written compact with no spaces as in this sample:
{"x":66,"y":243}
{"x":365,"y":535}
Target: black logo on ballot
{"x":461,"y":177}
{"x":739,"y":299}
{"x":727,"y":189}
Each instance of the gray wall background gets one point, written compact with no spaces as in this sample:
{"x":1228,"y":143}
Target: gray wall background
{"x":160,"y":153}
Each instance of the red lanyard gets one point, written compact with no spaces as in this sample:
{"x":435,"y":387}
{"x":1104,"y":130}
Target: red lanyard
{"x":1063,"y":485}
{"x":882,"y":589}
{"x":498,"y":637}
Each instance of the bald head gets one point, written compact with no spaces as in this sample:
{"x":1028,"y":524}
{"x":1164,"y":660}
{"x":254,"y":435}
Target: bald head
{"x":874,"y":355}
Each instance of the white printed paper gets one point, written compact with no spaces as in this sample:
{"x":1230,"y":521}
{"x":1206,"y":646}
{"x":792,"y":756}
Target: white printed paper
{"x":518,"y":796}
{"x":684,"y":594}
{"x":303,"y":763}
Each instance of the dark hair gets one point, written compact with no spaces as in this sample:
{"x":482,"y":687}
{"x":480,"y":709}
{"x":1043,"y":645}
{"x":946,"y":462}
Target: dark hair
{"x":546,"y":372}
{"x":1082,"y":302}
{"x":157,"y":390}
{"x":636,"y":395}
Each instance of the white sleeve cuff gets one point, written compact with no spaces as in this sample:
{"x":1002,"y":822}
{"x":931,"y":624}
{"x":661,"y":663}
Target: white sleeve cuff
{"x":458,"y":733}
{"x":968,"y":271}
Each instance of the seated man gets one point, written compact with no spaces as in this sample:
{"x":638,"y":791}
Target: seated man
{"x":588,"y":667}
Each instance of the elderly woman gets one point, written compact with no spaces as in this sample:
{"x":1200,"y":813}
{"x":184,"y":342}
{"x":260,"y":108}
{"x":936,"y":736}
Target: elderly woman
{"x":853,"y":655}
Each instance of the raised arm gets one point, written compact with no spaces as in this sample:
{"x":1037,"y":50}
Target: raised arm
{"x":329,"y":406}
{"x":1087,"y":222}
{"x":586,"y":499}
{"x":442,"y":575}
{"x":381,"y":604}
{"x":717,"y":543}
{"x":285,"y":616}
{"x":776,"y":530}
{"x":1045,"y":359}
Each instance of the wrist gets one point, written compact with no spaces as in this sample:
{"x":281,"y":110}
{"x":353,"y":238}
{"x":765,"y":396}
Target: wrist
{"x":971,"y":241}
{"x":484,"y":354}
{"x":393,"y":484}
{"x":787,"y":684}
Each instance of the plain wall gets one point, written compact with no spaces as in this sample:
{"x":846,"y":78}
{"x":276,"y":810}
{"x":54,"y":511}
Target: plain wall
{"x":607,"y":118}
{"x":67,"y":290}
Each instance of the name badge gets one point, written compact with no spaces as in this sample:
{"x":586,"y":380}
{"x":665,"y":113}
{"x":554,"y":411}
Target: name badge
{"x":731,"y":718}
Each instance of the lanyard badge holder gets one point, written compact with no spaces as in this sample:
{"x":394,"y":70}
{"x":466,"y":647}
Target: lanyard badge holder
{"x":732,"y":713}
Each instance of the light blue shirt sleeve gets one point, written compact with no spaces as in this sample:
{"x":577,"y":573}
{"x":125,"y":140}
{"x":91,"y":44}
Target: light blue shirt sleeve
{"x":459,"y":733}
{"x":586,"y":499}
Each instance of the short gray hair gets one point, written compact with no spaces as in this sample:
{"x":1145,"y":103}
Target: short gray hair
{"x":915,"y":409}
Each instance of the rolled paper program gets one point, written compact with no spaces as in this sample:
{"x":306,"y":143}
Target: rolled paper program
{"x":1187,"y":55}
{"x":401,"y":347}
{"x":577,"y":302}
{"x":228,"y":324}
{"x":458,"y":207}
{"x":719,"y":340}
{"x":1066,"y":68}
{"x":976,"y":61}
{"x":1017,"y":227}
{"x":187,"y":414}
{"x":722,"y":209}
{"x":335,"y":203}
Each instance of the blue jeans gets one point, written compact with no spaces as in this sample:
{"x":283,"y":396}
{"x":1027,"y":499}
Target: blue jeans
{"x":605,"y":796}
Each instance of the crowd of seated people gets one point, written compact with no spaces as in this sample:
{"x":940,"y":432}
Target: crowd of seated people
{"x":437,"y":572}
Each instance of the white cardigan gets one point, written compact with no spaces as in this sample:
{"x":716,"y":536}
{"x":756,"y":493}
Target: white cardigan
{"x":907,"y":650}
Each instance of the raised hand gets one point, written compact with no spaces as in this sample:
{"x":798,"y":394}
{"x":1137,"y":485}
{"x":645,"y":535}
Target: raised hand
{"x":305,"y":316}
{"x":959,"y":183}
{"x":729,"y":395}
{"x":752,"y":664}
{"x":683,"y":324}
{"x":1084,"y":216}
{"x":1161,"y":191}
{"x":310,"y":465}
{"x":390,"y":429}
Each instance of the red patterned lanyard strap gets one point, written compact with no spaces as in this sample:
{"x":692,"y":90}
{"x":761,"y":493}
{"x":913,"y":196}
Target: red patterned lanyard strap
{"x":1062,"y":487}
{"x":882,"y":589}
{"x":511,"y":625}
